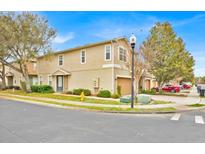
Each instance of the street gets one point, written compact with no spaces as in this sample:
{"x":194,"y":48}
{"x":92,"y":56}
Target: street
{"x":23,"y":122}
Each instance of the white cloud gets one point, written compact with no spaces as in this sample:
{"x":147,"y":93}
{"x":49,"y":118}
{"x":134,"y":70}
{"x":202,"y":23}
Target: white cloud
{"x":60,"y":39}
{"x":200,"y":17}
{"x":116,"y":27}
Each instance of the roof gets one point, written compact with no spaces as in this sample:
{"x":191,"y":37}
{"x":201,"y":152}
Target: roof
{"x":61,"y":72}
{"x":88,"y":45}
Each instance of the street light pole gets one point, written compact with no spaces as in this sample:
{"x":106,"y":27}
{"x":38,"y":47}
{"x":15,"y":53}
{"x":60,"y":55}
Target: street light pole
{"x":132,"y":43}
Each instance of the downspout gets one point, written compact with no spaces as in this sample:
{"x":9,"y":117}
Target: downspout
{"x":113,"y":69}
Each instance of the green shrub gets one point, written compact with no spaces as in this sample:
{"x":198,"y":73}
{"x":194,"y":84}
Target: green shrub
{"x":119,"y":90}
{"x":104,"y":93}
{"x":69,"y":92}
{"x":13,"y":87}
{"x":115,"y":96}
{"x":161,"y":92}
{"x":78,"y":91}
{"x":151,"y":92}
{"x":42,"y":89}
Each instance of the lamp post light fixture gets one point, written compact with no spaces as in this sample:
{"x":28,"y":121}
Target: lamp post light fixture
{"x":132,"y":43}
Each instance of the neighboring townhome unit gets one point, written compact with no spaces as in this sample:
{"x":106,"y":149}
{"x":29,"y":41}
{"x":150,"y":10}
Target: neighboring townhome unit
{"x":97,"y":66}
{"x":14,"y":78}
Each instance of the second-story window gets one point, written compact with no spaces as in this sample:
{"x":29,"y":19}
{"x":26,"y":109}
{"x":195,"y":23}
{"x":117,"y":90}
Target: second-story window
{"x":83,"y":57}
{"x":34,"y":66}
{"x":60,"y":60}
{"x":107,"y":52}
{"x":122,"y":54}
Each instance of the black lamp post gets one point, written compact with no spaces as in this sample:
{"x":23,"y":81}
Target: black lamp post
{"x":132,"y":43}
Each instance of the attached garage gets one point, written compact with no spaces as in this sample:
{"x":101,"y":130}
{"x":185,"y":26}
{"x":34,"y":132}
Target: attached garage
{"x":125,"y":84}
{"x":147,"y":84}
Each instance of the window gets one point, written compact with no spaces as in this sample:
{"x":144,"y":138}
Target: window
{"x":122,"y":54}
{"x":107,"y":52}
{"x":40,"y":80}
{"x":50,"y":80}
{"x":60,"y":60}
{"x":34,"y":66}
{"x":83,"y":57}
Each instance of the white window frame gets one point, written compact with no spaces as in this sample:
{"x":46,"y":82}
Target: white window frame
{"x":49,"y":80}
{"x":34,"y":66}
{"x":40,"y":79}
{"x":119,"y":54}
{"x":81,"y":56}
{"x":59,"y":60}
{"x":105,"y":51}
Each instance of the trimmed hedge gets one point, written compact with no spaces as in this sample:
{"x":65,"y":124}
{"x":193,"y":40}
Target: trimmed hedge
{"x":69,"y":92}
{"x":115,"y":96}
{"x":104,"y":93}
{"x":78,"y":91}
{"x":42,"y":89}
{"x":151,"y":92}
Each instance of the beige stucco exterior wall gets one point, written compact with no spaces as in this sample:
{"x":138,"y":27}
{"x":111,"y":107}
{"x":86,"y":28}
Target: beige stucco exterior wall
{"x":82,"y":75}
{"x":16,"y":78}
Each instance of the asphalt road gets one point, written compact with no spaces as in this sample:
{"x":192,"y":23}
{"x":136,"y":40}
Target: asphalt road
{"x":22,"y":122}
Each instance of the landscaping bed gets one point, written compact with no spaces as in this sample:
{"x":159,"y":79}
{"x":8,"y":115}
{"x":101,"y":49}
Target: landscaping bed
{"x":196,"y":105}
{"x":61,"y":97}
{"x":76,"y":98}
{"x":102,"y":109}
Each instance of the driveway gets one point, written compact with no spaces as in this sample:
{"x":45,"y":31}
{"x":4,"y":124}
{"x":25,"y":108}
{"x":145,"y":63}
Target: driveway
{"x":23,"y":122}
{"x":177,"y":99}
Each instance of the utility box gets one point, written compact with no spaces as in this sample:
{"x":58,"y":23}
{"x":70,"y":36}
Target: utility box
{"x":202,"y":91}
{"x":198,"y":89}
{"x":144,"y":99}
{"x":125,"y":99}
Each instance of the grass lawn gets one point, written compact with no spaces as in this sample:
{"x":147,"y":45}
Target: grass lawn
{"x":61,"y":97}
{"x":105,"y":109}
{"x":196,"y":105}
{"x":161,"y":102}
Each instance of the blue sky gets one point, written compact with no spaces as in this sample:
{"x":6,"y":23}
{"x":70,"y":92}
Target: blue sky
{"x":78,"y":28}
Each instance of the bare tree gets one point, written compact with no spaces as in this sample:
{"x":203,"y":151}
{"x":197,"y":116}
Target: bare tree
{"x":27,"y":35}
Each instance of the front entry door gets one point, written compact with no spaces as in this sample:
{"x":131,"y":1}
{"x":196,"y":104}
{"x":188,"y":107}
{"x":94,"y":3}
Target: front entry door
{"x":59,"y":83}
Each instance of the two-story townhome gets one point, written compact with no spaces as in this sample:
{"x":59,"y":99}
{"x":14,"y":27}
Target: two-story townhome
{"x":96,"y":66}
{"x":101,"y":65}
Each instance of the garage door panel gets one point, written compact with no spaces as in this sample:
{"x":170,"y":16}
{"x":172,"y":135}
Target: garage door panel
{"x":125,"y":84}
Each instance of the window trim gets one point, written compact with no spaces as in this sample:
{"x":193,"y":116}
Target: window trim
{"x":51,"y":79}
{"x":39,"y":79}
{"x":62,"y":59}
{"x":105,"y":51}
{"x":119,"y":53}
{"x":81,"y":57}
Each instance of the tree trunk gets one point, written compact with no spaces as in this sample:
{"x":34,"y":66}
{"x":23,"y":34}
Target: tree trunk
{"x":160,"y":86}
{"x":3,"y":86}
{"x":137,"y":85}
{"x":26,"y":78}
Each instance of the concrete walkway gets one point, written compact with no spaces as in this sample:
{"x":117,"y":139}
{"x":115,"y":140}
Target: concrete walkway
{"x":91,"y":104}
{"x":192,"y":98}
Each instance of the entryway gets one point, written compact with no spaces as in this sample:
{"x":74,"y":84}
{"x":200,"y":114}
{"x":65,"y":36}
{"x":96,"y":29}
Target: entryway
{"x":59,"y":83}
{"x":10,"y":80}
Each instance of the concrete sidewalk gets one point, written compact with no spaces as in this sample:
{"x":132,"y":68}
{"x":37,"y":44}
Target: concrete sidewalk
{"x":192,"y":98}
{"x":180,"y":102}
{"x":91,"y":104}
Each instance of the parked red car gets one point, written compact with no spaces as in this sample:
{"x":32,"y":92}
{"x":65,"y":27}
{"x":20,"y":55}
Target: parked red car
{"x":186,"y":86}
{"x":170,"y":88}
